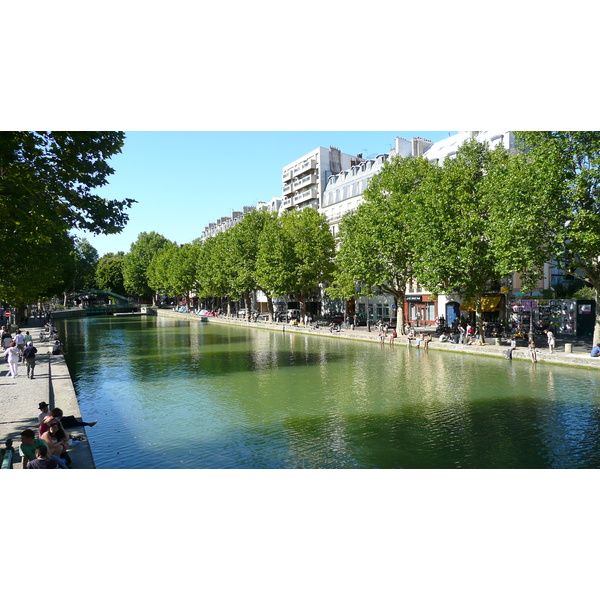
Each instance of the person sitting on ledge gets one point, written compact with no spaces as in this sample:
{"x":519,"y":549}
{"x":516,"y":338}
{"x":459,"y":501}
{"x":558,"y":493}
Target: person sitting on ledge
{"x":29,"y":444}
{"x":595,"y":350}
{"x":43,"y":461}
{"x":67,"y":422}
{"x":57,"y":440}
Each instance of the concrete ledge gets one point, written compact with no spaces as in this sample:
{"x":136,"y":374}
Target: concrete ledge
{"x":62,"y":394}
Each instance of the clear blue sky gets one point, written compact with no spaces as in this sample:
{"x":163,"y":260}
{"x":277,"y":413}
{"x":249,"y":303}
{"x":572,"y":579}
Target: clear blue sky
{"x":184,"y":180}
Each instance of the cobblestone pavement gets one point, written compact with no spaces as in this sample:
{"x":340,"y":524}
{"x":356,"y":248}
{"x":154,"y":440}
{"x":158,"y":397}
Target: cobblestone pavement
{"x":20,"y":397}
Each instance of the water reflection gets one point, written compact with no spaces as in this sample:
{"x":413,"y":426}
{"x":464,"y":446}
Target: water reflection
{"x":179,"y":394}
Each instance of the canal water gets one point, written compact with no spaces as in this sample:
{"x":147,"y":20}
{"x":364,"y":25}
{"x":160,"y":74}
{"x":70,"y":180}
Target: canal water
{"x":174,"y":394}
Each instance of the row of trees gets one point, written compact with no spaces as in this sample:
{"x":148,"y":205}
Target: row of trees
{"x":457,"y":228}
{"x":288,"y":255}
{"x":482,"y":216}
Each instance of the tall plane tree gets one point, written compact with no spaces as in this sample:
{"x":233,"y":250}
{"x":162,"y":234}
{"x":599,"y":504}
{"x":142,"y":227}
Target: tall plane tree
{"x":377,"y":245}
{"x":450,"y":229}
{"x":558,"y":192}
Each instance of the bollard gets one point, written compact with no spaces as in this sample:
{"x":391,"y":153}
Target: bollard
{"x":568,"y":348}
{"x":497,"y":341}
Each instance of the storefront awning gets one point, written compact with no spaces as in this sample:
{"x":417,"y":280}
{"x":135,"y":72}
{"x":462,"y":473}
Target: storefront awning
{"x":488,"y":303}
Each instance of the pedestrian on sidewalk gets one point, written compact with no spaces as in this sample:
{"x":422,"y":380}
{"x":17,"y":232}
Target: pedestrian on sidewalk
{"x":12,"y":356}
{"x":29,"y":358}
{"x":551,"y":340}
{"x":20,"y":341}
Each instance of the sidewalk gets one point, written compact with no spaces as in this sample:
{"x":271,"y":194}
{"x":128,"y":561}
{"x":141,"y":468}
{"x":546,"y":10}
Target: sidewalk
{"x":580,"y":356}
{"x":19,"y":399}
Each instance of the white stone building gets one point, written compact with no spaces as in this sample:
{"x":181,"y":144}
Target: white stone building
{"x":305,"y":179}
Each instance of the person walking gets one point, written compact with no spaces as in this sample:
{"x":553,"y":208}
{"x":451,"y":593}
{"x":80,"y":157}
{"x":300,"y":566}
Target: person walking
{"x":551,"y":340}
{"x":29,"y":358}
{"x":12,"y":355}
{"x":20,"y":341}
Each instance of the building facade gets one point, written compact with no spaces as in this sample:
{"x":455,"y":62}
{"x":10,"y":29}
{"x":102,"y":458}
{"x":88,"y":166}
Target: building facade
{"x":304,"y":180}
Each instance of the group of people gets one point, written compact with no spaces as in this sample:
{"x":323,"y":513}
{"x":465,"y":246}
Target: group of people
{"x":49,"y":449}
{"x":18,"y":348}
{"x":463,"y":335}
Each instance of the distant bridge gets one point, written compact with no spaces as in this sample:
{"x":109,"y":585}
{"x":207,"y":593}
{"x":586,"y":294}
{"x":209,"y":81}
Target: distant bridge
{"x":91,"y":305}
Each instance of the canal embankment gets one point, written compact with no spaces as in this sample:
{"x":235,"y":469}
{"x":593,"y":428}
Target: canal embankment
{"x":20,"y":397}
{"x":573,"y":353}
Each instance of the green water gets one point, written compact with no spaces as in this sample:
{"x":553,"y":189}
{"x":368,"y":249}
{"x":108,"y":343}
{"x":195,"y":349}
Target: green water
{"x":180,"y":394}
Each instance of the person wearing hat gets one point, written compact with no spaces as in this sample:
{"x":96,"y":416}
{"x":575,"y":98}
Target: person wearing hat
{"x":44,"y":408}
{"x":29,"y":356}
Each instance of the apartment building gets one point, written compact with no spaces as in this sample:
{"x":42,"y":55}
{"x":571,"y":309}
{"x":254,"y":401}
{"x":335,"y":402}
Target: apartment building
{"x":344,"y":190}
{"x":304,"y":180}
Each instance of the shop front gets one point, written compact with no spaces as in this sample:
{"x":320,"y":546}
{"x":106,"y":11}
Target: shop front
{"x":491,"y":308}
{"x":420,"y":309}
{"x":563,"y":317}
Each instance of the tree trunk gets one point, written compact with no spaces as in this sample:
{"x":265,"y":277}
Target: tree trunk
{"x":270,"y":308}
{"x":479,"y":320}
{"x":596,"y":339}
{"x":248,"y":304}
{"x":399,"y":300}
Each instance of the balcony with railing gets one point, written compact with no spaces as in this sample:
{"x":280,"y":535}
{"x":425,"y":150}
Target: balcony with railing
{"x":287,"y":175}
{"x":305,"y":196}
{"x":307,"y":165}
{"x":304,"y":181}
{"x":287,"y":189}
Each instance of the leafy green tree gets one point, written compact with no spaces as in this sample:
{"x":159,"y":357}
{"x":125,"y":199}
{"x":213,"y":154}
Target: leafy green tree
{"x":451,"y":231}
{"x":48,"y":183}
{"x":86,"y":257}
{"x":173,"y":270}
{"x":48,"y":180}
{"x":240,"y":257}
{"x":211,"y":279}
{"x":296,"y":254}
{"x":556,"y":192}
{"x":137,"y":261}
{"x":39,"y":270}
{"x":376,"y":242}
{"x":109,"y":273}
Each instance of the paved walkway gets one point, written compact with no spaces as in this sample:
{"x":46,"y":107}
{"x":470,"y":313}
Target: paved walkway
{"x":19,"y":399}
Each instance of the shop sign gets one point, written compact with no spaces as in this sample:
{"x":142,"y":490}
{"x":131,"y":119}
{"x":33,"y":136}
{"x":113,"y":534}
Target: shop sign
{"x":415,"y":299}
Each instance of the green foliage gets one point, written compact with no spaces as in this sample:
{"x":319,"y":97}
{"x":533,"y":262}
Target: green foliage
{"x":39,"y":269}
{"x":48,"y":180}
{"x":109,"y":273}
{"x":48,"y":183}
{"x":295,"y":254}
{"x":137,"y":262}
{"x":86,"y":261}
{"x":377,"y":242}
